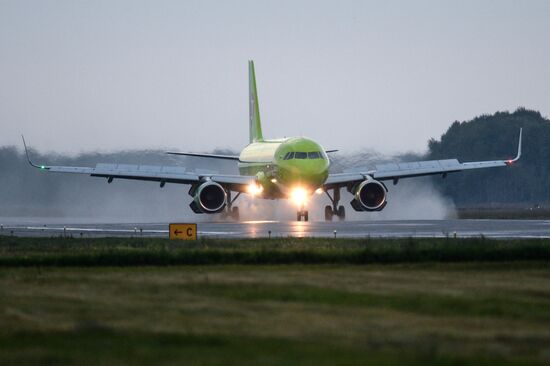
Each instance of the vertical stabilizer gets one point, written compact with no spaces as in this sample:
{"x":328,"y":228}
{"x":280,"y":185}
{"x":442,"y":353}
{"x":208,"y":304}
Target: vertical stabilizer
{"x":253,"y":106}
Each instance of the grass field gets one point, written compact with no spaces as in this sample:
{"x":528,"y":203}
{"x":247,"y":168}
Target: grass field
{"x":320,"y":302}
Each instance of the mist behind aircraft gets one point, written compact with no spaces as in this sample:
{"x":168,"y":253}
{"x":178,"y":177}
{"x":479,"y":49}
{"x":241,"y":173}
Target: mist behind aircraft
{"x":29,"y":194}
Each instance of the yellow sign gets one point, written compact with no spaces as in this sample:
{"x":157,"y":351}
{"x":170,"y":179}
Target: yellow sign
{"x":183,"y":231}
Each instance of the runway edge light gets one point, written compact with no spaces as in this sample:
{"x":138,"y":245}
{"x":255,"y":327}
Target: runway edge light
{"x":182,"y":231}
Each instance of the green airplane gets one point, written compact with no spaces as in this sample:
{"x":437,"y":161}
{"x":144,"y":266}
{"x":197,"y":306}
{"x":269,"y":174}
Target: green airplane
{"x":290,"y":168}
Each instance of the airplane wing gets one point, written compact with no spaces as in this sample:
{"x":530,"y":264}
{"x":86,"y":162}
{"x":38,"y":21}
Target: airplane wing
{"x":154,"y":173}
{"x":396,"y":171}
{"x":198,"y":155}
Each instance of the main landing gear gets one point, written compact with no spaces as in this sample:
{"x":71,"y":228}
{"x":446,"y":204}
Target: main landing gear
{"x":302,"y":213}
{"x":230,"y":210}
{"x":335,"y":210}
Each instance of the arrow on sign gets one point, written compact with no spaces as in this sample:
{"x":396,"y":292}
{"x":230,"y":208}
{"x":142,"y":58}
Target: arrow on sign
{"x":183,"y":231}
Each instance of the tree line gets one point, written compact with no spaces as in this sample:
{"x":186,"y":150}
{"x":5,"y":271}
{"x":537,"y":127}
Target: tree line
{"x":27,"y":191}
{"x":492,"y":137}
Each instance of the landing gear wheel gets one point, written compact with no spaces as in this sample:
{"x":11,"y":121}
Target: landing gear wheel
{"x":341,"y":213}
{"x":328,"y":213}
{"x":304,"y":214}
{"x":235,"y":213}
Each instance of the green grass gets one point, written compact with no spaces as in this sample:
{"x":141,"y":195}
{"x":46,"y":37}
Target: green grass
{"x":422,"y":304}
{"x":319,"y":302}
{"x":108,"y":348}
{"x":130,"y":252}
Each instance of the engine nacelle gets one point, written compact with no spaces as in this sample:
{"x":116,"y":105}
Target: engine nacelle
{"x":209,"y":197}
{"x":369,"y":195}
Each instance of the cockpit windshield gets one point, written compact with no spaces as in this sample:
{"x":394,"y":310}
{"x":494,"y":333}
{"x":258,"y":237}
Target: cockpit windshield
{"x":289,"y":155}
{"x":304,"y":155}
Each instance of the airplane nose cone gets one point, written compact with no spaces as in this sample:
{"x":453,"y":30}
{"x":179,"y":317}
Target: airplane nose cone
{"x":302,"y":162}
{"x":308,"y":173}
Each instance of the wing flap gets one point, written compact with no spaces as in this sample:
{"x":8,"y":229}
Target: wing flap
{"x":68,"y":169}
{"x":156,"y":173}
{"x":395,"y":171}
{"x":398,"y":171}
{"x":198,"y":155}
{"x":401,"y":170}
{"x":166,"y":174}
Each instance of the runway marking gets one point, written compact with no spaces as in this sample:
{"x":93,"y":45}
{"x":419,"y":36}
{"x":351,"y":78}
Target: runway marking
{"x":107,"y":231}
{"x":50,"y":228}
{"x":395,"y":224}
{"x":219,"y":232}
{"x":520,"y":229}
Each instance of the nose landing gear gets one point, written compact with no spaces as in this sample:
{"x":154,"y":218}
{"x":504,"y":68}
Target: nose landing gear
{"x":302,"y":213}
{"x":334,"y":210}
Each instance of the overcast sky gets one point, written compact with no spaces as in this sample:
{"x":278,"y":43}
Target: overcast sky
{"x":387,"y":75}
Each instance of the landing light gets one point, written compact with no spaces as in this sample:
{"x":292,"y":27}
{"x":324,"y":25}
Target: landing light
{"x":274,"y":180}
{"x":298,"y":195}
{"x":319,"y":191}
{"x":254,"y":189}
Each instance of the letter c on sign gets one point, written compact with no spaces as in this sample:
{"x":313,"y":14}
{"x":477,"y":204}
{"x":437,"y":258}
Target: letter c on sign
{"x":189,"y":232}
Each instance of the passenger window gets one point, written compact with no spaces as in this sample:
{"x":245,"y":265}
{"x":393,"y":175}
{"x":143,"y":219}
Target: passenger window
{"x":300,"y":155}
{"x":313,"y":155}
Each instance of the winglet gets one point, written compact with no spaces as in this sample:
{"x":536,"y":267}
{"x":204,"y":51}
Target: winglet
{"x":510,"y":162}
{"x":29,"y":159}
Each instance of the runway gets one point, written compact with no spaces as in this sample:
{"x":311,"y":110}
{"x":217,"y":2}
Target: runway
{"x":259,"y":229}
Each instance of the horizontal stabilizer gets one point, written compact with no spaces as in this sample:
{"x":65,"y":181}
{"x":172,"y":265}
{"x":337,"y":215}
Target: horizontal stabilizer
{"x":211,"y":156}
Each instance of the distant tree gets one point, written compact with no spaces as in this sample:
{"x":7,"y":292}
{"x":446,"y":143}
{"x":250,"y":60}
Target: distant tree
{"x":495,"y":137}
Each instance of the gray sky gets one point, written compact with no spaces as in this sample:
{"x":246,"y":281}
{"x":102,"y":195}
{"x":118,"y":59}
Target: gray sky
{"x":103,"y":75}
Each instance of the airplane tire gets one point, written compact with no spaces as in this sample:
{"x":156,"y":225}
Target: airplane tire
{"x":341,"y":213}
{"x":235,"y":213}
{"x":328,"y":213}
{"x":302,"y":215}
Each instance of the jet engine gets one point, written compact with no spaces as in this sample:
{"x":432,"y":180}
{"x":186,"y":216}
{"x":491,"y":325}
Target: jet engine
{"x":369,"y":195}
{"x":209,"y":197}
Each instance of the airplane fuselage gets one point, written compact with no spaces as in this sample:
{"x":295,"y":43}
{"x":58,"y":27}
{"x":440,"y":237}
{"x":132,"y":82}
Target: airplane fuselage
{"x":283,"y":165}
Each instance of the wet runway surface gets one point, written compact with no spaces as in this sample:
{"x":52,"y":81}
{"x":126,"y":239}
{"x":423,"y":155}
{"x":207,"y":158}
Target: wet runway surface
{"x":257,"y":229}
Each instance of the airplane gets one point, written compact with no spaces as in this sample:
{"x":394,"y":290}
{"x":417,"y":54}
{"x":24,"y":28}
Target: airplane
{"x":288,"y":168}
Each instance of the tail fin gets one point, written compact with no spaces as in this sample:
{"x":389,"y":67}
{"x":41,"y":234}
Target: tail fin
{"x":254,"y":108}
